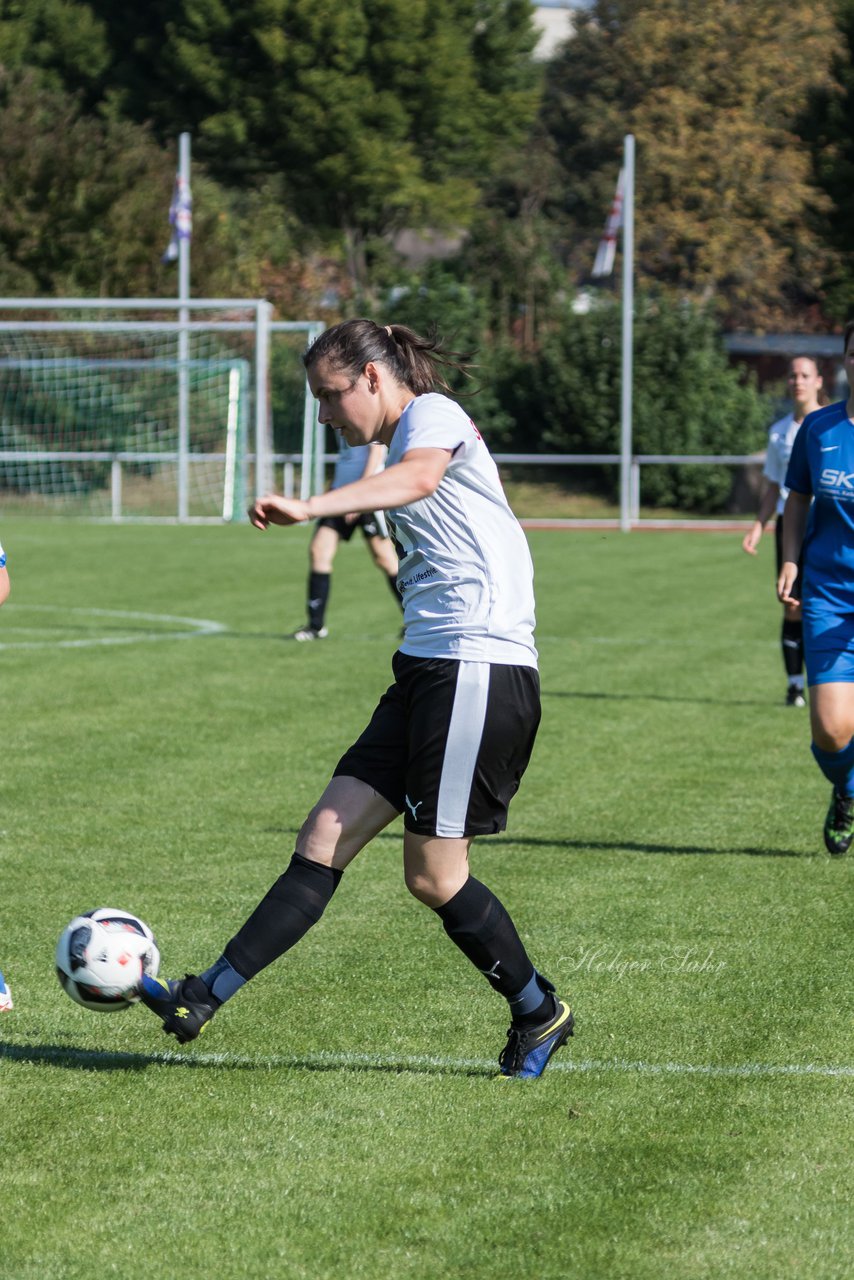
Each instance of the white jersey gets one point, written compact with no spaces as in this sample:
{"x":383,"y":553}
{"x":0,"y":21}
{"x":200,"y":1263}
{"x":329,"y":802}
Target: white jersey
{"x":465,"y":575}
{"x":781,"y":437}
{"x":352,"y":460}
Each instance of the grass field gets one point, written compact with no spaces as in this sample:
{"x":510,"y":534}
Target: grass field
{"x":341,"y":1119}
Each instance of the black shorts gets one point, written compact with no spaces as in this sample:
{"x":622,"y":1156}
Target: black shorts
{"x":369,"y":522}
{"x":778,"y":543}
{"x":448,"y":743}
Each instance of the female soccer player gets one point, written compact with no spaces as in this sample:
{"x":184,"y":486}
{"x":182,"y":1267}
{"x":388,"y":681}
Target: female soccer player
{"x":5,"y":993}
{"x":449,"y":741}
{"x":819,"y":524}
{"x":353,"y":463}
{"x":4,"y":576}
{"x":805,"y":383}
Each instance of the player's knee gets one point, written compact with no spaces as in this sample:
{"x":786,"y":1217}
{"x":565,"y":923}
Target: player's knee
{"x":320,"y":834}
{"x":433,"y":890}
{"x":831,"y":737}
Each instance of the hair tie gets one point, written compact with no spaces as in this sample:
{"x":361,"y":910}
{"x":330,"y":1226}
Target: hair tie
{"x":389,"y":332}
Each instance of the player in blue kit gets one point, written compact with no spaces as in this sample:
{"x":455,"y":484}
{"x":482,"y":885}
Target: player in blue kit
{"x":819,"y":525}
{"x":449,"y":741}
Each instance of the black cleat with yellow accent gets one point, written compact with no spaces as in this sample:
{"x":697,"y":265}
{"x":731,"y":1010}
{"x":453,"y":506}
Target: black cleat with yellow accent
{"x":184,"y":1005}
{"x":839,"y":824}
{"x":528,"y":1049}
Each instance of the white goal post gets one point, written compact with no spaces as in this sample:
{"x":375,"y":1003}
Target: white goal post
{"x":146,"y":408}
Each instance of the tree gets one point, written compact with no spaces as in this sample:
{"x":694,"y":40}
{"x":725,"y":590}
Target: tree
{"x":83,"y":205}
{"x":686,"y":398}
{"x":712,"y":91}
{"x":377,"y":113}
{"x":828,"y":126}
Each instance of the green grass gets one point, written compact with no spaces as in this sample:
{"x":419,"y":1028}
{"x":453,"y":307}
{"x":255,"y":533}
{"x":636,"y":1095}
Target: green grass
{"x":341,"y":1119}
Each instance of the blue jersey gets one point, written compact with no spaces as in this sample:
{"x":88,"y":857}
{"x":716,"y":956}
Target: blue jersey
{"x":822,"y":465}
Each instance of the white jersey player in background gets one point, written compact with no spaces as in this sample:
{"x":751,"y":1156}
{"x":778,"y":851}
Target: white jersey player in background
{"x":354,"y":462}
{"x":805,"y":384}
{"x":450,"y":739}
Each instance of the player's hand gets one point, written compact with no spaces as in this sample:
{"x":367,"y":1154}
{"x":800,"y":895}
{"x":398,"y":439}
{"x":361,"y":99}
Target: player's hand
{"x":274,"y":509}
{"x":750,"y":541}
{"x":786,"y":583}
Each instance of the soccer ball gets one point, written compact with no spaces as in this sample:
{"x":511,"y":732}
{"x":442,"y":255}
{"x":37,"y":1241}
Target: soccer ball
{"x":101,"y":957}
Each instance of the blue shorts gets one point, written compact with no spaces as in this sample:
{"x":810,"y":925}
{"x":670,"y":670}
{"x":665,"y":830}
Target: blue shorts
{"x":828,"y":644}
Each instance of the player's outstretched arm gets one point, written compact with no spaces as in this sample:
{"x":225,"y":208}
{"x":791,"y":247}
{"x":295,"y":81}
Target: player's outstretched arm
{"x":767,"y":504}
{"x":417,"y":475}
{"x":274,"y":509}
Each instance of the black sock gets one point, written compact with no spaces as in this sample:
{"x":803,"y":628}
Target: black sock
{"x":318,"y":595}
{"x":392,"y":582}
{"x":479,"y":925}
{"x":792,"y":640}
{"x":286,"y":912}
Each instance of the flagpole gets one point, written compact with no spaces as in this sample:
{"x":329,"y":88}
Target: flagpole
{"x":627,"y":333}
{"x":183,"y":342}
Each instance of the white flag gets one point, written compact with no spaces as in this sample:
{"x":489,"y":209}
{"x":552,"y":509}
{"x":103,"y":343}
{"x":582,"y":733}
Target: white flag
{"x":605,"y":254}
{"x":180,"y":218}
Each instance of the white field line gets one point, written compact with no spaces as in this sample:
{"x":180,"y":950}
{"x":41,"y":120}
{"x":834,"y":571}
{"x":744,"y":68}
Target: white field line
{"x":427,"y":1064}
{"x":196,"y":627}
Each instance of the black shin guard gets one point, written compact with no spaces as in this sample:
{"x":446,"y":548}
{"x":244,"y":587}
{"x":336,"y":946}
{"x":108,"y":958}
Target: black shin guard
{"x":286,"y":912}
{"x":319,"y":585}
{"x":792,"y":641}
{"x":479,"y":925}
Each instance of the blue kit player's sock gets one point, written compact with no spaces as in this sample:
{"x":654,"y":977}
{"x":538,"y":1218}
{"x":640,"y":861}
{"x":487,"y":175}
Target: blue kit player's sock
{"x":837,"y":767}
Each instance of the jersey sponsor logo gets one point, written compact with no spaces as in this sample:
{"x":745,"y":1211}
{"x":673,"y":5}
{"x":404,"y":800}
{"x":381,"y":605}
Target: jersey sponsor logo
{"x":838,"y":482}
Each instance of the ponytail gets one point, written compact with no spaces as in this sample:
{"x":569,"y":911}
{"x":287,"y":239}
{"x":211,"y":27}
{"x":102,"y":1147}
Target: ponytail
{"x":419,"y":363}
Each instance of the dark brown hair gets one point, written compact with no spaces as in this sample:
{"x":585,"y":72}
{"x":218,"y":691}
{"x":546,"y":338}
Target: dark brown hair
{"x":821,"y":395}
{"x":849,"y":329}
{"x":415,"y":361}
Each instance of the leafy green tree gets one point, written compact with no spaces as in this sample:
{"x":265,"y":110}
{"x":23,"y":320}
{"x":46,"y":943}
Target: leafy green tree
{"x":84,"y":201}
{"x":686,"y":399}
{"x":712,"y":92}
{"x":828,"y":126}
{"x":60,"y":40}
{"x":376,"y":113}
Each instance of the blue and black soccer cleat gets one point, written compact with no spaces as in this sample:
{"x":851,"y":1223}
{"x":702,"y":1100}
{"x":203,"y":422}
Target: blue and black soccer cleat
{"x":528,"y":1050}
{"x":184,"y":1005}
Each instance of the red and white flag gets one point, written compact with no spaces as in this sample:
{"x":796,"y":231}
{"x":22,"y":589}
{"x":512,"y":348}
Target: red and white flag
{"x":605,"y":254}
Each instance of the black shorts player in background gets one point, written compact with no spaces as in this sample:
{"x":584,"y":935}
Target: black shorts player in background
{"x":354,"y":462}
{"x":805,"y":386}
{"x":450,"y":739}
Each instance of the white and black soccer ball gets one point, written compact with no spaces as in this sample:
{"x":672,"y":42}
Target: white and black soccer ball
{"x":101,"y":957}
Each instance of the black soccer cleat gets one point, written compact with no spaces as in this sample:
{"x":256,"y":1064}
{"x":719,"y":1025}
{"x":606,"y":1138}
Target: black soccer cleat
{"x":184,"y":1005}
{"x":528,"y":1049}
{"x":839,"y":824}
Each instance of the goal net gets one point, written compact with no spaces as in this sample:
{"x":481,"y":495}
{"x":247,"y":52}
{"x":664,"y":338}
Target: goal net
{"x":115,"y":420}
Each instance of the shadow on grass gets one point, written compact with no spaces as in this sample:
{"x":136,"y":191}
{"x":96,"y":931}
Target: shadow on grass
{"x":73,"y":1058}
{"x":664,"y":697}
{"x":632,"y":846}
{"x":485,"y":843}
